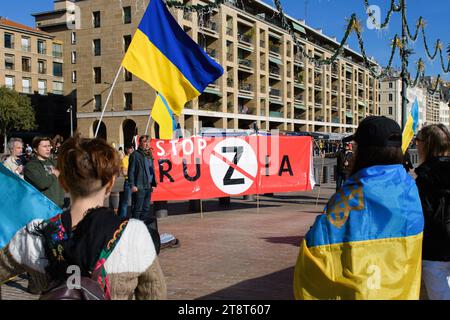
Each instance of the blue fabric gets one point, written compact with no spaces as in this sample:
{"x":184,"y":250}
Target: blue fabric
{"x":20,"y":203}
{"x":415,"y":115}
{"x":163,"y":31}
{"x":169,"y":110}
{"x":390,"y":207}
{"x":124,"y":198}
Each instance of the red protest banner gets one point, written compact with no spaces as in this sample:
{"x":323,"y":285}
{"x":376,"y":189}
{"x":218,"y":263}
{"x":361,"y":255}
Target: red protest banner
{"x":205,"y":167}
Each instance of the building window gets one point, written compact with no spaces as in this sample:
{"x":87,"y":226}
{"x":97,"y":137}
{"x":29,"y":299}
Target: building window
{"x":390,"y":85}
{"x":390,"y":97}
{"x":128,"y":101}
{"x":41,"y":47}
{"x":9,"y":82}
{"x":73,"y":38}
{"x":58,"y":88}
{"x":9,"y":61}
{"x":97,"y":47}
{"x":96,"y":19}
{"x":74,"y":57}
{"x":97,"y":102}
{"x":26,"y":85}
{"x":42,"y":87}
{"x":126,"y":15}
{"x":42,"y":67}
{"x":390,"y":111}
{"x":98,"y":75}
{"x":74,"y":77}
{"x":57,"y":69}
{"x":57,"y":50}
{"x":126,"y":42}
{"x":26,"y":44}
{"x":128,"y":76}
{"x":9,"y":40}
{"x":26,"y":64}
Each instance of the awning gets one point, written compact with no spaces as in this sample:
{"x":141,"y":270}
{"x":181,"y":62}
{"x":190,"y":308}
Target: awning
{"x":348,"y":114}
{"x":276,"y":102}
{"x":275,"y":60}
{"x":362,"y":104}
{"x":299,"y":28}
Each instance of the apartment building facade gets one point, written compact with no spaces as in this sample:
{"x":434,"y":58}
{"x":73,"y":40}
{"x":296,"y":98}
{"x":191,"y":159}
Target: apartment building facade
{"x":266,"y":81}
{"x":30,"y":59}
{"x":390,"y":99}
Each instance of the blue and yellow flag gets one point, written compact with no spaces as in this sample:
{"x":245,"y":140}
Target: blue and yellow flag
{"x":411,"y":126}
{"x":165,"y":57}
{"x":368,"y":242}
{"x":20,"y":204}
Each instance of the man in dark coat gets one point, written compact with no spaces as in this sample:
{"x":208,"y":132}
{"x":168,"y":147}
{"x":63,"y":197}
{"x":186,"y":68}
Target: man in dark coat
{"x":141,"y":178}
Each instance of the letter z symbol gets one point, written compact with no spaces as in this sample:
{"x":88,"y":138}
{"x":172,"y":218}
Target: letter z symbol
{"x":227,"y":181}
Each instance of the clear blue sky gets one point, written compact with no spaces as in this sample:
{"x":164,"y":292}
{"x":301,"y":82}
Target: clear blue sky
{"x":329,"y":15}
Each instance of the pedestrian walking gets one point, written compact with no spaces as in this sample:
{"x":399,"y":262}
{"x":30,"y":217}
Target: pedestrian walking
{"x":125,"y":195}
{"x":141,"y":177}
{"x":344,"y":158}
{"x":368,"y":242}
{"x":87,"y":236}
{"x":41,"y":171}
{"x":433,"y":181}
{"x":15,"y":161}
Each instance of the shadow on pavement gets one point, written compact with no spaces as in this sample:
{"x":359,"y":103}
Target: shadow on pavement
{"x":274,"y":286}
{"x":295,"y":241}
{"x":180,"y":208}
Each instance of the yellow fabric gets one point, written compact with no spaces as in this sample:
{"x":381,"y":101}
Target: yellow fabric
{"x":125,"y":162}
{"x":145,"y":61}
{"x":388,"y":269}
{"x":408,"y":133}
{"x":161,"y":115}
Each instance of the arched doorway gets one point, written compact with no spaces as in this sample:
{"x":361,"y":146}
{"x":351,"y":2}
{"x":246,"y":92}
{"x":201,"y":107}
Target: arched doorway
{"x":128,"y":130}
{"x":101,"y":130}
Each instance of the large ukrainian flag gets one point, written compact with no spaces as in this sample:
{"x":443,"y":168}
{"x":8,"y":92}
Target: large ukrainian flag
{"x":411,"y":126}
{"x":165,"y":57}
{"x":368,"y":243}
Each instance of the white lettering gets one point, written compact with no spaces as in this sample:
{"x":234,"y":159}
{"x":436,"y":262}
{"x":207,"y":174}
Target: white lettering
{"x":160,"y":148}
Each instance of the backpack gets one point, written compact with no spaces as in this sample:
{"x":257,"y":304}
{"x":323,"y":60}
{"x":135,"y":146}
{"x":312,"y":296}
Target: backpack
{"x":89,"y":288}
{"x":95,"y":287}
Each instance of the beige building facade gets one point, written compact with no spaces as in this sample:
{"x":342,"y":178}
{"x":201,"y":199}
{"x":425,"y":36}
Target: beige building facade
{"x":30,"y":59}
{"x":266,"y":81}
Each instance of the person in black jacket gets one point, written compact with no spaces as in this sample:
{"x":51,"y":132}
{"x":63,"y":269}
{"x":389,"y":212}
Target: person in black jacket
{"x":141,"y":178}
{"x":433,"y":182}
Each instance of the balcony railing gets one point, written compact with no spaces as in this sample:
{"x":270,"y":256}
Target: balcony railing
{"x":210,"y":25}
{"x":26,"y":89}
{"x":229,"y":56}
{"x":275,"y":92}
{"x":274,"y":49}
{"x":243,"y":38}
{"x":245,"y":87}
{"x":299,"y":97}
{"x":230,"y":83}
{"x":42,"y":51}
{"x":273,"y":70}
{"x":26,"y":68}
{"x":57,"y":54}
{"x":335,"y":120}
{"x":245,"y":62}
{"x":229,"y":31}
{"x":276,"y":114}
{"x":42,"y":71}
{"x":26,"y":48}
{"x":187,"y":15}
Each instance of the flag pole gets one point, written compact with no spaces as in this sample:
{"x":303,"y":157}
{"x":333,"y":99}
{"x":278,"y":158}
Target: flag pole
{"x":148,"y":122}
{"x":107,"y":100}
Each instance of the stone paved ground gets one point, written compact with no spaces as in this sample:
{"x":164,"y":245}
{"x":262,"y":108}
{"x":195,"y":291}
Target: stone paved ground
{"x":231,"y":253}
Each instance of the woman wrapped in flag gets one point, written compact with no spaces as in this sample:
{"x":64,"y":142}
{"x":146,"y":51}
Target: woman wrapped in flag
{"x":368,"y":242}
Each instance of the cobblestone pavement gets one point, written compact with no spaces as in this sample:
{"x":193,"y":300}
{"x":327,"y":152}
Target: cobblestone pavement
{"x":236,"y":252}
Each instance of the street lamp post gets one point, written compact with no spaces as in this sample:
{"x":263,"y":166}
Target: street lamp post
{"x":71,"y":120}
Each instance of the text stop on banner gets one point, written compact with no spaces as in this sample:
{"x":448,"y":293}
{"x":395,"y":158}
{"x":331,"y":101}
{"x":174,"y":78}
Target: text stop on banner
{"x":205,"y":167}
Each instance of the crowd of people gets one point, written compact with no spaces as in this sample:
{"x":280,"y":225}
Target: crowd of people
{"x":401,"y":224}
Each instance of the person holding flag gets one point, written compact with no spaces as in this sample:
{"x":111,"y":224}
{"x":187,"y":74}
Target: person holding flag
{"x":411,"y":126}
{"x":368,"y":242}
{"x":165,"y":57}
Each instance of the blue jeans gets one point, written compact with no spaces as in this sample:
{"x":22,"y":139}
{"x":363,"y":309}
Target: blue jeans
{"x":140,"y":209}
{"x":124,"y":198}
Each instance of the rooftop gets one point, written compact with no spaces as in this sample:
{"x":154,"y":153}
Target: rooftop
{"x":15,"y":25}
